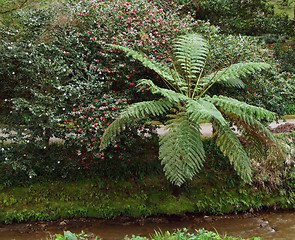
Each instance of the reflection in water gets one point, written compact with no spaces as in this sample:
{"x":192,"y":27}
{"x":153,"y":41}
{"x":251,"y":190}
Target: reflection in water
{"x":274,"y":225}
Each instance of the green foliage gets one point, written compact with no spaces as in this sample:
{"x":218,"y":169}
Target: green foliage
{"x":22,"y":164}
{"x":181,"y":150}
{"x":200,"y":234}
{"x":70,"y":236}
{"x":105,"y":198}
{"x":272,"y":89}
{"x":181,"y":234}
{"x":187,"y":92}
{"x":285,"y":53}
{"x":275,"y":92}
{"x":246,"y":18}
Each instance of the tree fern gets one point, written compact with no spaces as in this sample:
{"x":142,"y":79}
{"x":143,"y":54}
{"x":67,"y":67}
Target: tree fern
{"x":167,"y":93}
{"x":203,"y":110}
{"x":256,"y":137}
{"x":181,"y":149}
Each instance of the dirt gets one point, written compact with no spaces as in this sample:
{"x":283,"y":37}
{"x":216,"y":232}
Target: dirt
{"x":284,"y":128}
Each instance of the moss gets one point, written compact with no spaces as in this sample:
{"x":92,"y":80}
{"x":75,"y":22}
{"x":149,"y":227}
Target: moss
{"x":90,"y":198}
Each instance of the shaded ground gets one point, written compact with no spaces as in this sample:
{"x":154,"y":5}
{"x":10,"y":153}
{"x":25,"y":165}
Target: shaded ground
{"x":284,"y":128}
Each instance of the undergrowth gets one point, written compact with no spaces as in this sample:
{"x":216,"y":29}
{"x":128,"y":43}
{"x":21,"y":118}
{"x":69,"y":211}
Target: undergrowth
{"x":180,"y":234}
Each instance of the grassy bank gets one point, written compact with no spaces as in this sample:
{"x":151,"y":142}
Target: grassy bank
{"x":150,"y":196}
{"x":68,"y":188}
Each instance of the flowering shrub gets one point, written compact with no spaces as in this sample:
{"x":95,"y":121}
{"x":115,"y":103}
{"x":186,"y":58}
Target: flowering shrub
{"x":136,"y":24}
{"x":59,"y":79}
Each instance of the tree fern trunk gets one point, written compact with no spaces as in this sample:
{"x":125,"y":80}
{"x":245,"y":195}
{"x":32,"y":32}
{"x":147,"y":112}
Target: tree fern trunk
{"x":177,"y":191}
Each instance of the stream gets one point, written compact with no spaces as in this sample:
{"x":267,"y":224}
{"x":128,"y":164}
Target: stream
{"x":273,"y":225}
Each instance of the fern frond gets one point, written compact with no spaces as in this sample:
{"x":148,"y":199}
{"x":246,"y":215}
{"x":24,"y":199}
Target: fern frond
{"x":246,"y":117}
{"x":134,"y":111}
{"x":257,"y":138}
{"x":231,"y":147}
{"x":191,"y":51}
{"x":181,"y":151}
{"x":230,"y":76}
{"x":168,"y":75}
{"x":244,"y":110}
{"x":167,"y":93}
{"x":203,"y":110}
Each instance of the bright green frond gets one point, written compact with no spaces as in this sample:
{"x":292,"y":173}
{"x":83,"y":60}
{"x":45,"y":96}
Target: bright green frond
{"x":167,"y":93}
{"x":181,"y":151}
{"x":231,"y":76}
{"x":203,"y":110}
{"x":191,"y":51}
{"x":244,"y":110}
{"x":134,"y":111}
{"x":167,"y":74}
{"x":231,"y":147}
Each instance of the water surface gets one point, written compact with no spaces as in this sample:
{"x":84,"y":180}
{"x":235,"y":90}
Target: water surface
{"x":272,"y":225}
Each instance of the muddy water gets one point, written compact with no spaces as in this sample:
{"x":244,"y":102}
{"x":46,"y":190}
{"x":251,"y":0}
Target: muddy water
{"x":271,"y":225}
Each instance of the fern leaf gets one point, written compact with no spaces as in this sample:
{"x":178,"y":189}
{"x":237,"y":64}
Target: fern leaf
{"x":230,"y":76}
{"x":203,"y":110}
{"x":231,"y":147}
{"x":257,"y":138}
{"x":191,"y":51}
{"x":167,"y":93}
{"x":167,"y":74}
{"x":241,"y":109}
{"x":134,"y":111}
{"x":181,"y":151}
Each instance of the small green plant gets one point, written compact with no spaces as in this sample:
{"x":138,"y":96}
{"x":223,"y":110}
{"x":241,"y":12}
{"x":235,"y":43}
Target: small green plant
{"x":71,"y":236}
{"x":183,"y":234}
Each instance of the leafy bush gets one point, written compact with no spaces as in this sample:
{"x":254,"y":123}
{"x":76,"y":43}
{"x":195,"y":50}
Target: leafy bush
{"x":272,"y":90}
{"x":22,"y":164}
{"x":236,"y":17}
{"x":285,"y":53}
{"x":58,"y":80}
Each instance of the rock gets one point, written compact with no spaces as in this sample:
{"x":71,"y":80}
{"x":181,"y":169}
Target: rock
{"x":208,"y":219}
{"x":62,"y":223}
